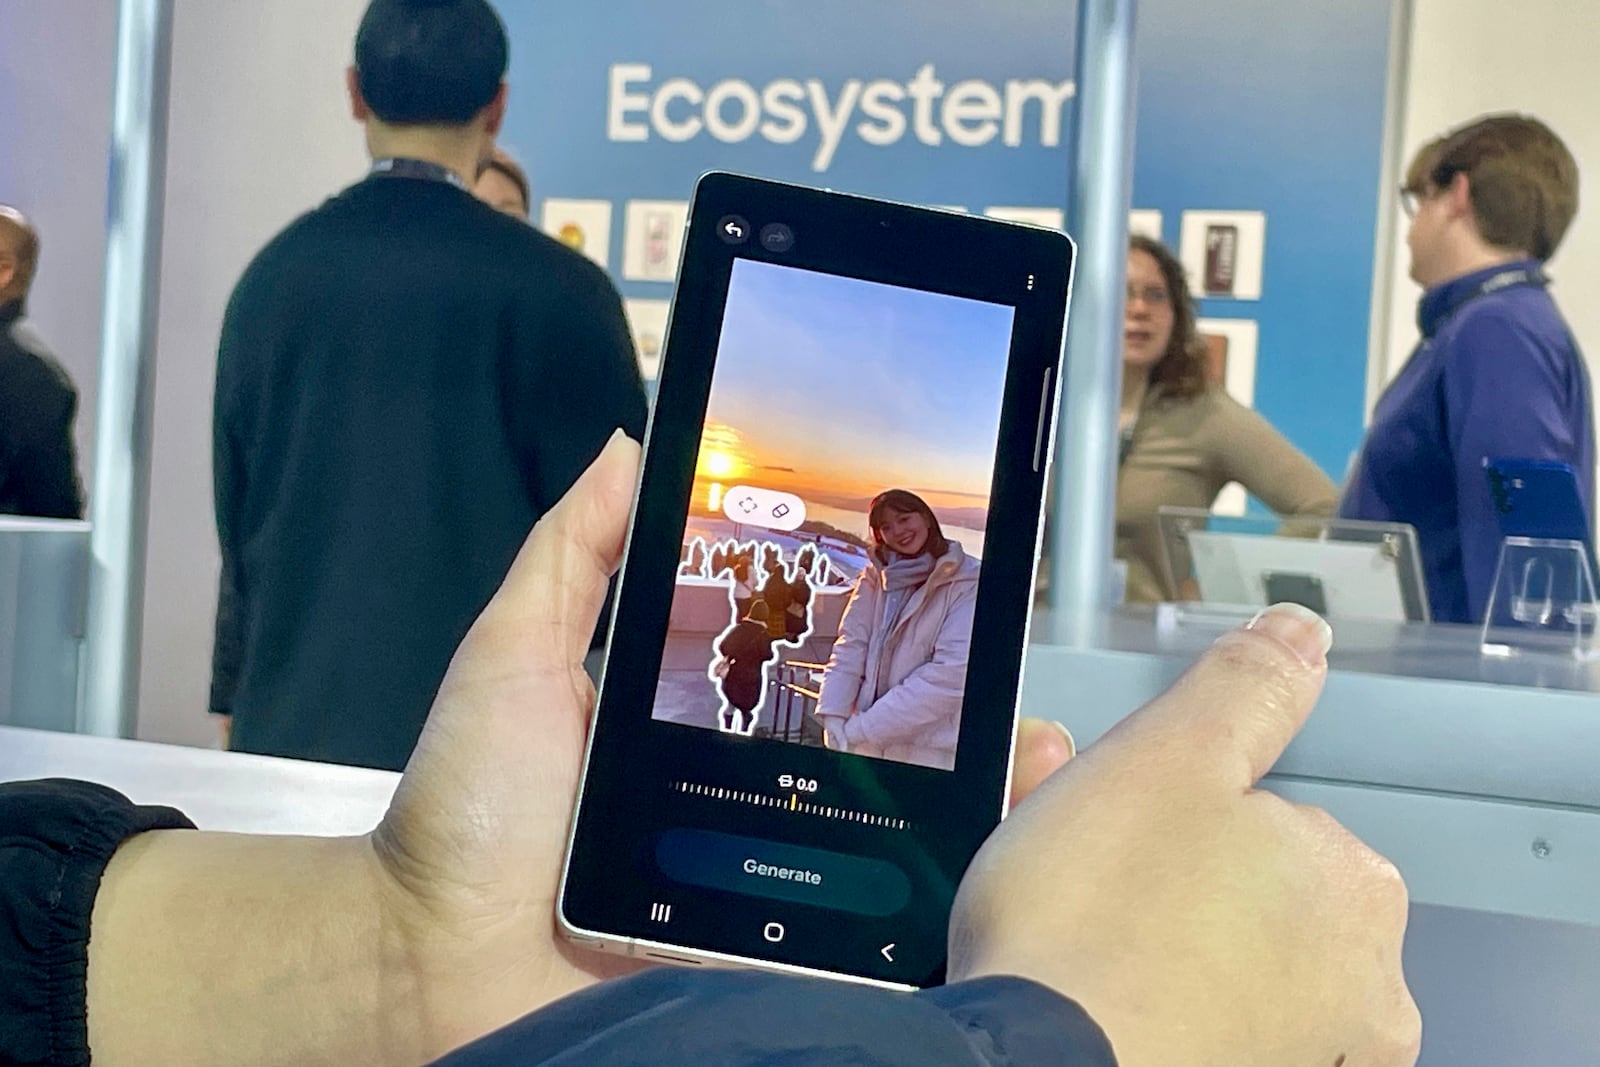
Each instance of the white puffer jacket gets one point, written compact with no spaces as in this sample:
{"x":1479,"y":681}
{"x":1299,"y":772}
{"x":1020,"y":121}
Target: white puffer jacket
{"x":920,"y":670}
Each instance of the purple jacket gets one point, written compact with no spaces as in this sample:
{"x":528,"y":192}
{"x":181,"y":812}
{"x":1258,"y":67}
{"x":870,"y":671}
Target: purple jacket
{"x":1497,"y":375}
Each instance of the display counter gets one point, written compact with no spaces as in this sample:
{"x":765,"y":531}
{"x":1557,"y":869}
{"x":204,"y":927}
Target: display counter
{"x":1397,"y":758}
{"x":1479,"y":777}
{"x":226,"y":791}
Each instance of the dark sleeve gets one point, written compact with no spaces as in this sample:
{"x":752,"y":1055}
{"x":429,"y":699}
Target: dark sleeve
{"x":737,"y":644}
{"x":44,"y":455}
{"x":1503,"y":395}
{"x":573,"y":379}
{"x":228,"y":488}
{"x":681,"y":1018}
{"x":56,"y":837}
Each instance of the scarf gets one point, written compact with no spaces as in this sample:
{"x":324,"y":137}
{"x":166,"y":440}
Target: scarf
{"x":902,"y":576}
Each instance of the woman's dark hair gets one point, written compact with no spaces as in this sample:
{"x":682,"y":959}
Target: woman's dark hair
{"x":902,"y":502}
{"x":503,"y":164}
{"x":1181,"y":370}
{"x":759,"y":612}
{"x":430,"y":62}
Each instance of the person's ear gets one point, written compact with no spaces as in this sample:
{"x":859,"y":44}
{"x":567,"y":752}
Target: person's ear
{"x":494,"y":113}
{"x":1459,"y":194}
{"x":359,"y":110}
{"x":8,"y":270}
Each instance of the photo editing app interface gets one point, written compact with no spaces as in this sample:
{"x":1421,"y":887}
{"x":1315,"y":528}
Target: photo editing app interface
{"x":824,"y":600}
{"x":835,"y":534}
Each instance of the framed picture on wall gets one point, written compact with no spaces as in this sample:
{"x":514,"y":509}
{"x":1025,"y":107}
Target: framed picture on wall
{"x":1231,"y":363}
{"x":648,"y":320}
{"x":584,"y":225}
{"x":652,"y":238}
{"x":1222,"y":252}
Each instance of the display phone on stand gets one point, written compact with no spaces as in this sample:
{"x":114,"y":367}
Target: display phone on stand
{"x":809,"y":701}
{"x":1540,"y":499}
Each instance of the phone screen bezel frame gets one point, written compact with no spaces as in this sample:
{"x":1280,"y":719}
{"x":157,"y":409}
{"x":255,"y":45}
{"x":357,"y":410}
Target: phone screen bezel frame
{"x":1026,"y":268}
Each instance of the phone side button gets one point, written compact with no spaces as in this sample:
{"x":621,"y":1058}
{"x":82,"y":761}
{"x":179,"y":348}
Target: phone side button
{"x":1045,"y":396}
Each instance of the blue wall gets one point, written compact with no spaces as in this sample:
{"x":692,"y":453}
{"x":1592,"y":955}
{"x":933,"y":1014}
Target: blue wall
{"x":1244,"y":105}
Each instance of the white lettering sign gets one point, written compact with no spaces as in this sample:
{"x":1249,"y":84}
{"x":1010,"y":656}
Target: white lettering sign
{"x":971,"y":114}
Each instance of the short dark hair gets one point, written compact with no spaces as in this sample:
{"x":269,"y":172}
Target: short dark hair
{"x":1523,"y":179}
{"x":430,"y":62}
{"x":1181,"y":370}
{"x":904,"y":502}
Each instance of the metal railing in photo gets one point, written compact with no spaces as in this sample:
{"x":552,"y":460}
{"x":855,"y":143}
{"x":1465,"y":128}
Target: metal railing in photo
{"x":796,"y":699}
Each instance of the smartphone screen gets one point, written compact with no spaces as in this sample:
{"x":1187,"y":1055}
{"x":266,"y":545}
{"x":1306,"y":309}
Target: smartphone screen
{"x":808,"y":704}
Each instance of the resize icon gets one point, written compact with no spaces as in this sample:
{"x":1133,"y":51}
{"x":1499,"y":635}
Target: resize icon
{"x":661,"y":913}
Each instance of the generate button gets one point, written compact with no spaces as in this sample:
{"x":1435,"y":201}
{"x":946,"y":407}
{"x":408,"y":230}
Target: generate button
{"x":781,"y":871}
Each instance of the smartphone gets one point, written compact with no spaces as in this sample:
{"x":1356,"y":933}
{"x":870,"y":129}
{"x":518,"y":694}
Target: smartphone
{"x":809,"y":700}
{"x":1541,"y":499}
{"x":1222,"y":256}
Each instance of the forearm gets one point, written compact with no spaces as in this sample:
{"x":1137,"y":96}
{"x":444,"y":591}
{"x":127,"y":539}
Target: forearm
{"x":216,"y":948}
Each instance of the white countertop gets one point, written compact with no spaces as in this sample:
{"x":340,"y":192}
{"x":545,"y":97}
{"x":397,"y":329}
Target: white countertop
{"x":218,"y":790}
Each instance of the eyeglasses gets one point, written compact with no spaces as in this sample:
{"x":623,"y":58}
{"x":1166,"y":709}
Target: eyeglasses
{"x":1154,"y":296}
{"x":1410,"y":200}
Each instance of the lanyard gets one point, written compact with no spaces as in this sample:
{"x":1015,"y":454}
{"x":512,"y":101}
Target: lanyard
{"x":416,"y":168}
{"x":1125,"y":442}
{"x":1494,"y":283}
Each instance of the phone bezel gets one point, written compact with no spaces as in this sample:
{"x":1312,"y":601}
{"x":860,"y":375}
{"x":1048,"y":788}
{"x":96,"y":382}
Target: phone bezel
{"x":878,"y":241}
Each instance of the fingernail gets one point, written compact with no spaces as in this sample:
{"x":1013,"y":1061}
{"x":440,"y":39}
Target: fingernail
{"x":1072,"y":742}
{"x":1301,"y":630}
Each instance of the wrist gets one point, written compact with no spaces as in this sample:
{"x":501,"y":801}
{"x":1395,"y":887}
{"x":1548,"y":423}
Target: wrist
{"x":446,"y":976}
{"x":219,"y":948}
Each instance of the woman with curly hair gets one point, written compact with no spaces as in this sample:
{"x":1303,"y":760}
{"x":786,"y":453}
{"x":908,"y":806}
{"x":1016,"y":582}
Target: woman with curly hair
{"x":1184,"y":438}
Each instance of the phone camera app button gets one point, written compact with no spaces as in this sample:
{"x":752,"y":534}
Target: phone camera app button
{"x":733,"y":230}
{"x":776,"y":237}
{"x":773,"y":933}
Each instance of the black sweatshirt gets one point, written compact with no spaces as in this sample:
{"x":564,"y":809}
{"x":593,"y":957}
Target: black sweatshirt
{"x":38,"y":459}
{"x":407,"y":379}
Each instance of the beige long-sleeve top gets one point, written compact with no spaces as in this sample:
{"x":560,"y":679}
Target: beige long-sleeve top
{"x":1184,"y":450}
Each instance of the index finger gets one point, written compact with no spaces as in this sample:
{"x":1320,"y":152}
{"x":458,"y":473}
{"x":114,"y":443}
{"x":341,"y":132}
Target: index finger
{"x":1231,"y":715}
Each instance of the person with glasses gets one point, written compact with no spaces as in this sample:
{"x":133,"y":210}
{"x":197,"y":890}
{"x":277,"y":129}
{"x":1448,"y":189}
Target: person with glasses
{"x":1183,"y":438}
{"x":1497,"y":373}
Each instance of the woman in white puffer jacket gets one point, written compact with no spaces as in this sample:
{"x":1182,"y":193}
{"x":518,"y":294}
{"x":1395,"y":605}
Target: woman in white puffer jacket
{"x":894,"y":682}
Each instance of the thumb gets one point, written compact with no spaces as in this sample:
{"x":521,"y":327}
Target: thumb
{"x":557,"y":583}
{"x":1042,"y":748}
{"x":1231,"y":715}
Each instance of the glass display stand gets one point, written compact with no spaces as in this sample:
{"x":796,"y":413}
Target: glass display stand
{"x":1543,"y":601}
{"x":1220,"y":569}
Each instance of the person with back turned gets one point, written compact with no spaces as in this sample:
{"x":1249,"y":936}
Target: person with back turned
{"x":407,"y":379}
{"x":38,"y":459}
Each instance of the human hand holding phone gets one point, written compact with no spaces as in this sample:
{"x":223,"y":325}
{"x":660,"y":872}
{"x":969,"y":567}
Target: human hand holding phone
{"x":1197,"y":919}
{"x":469,"y":855}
